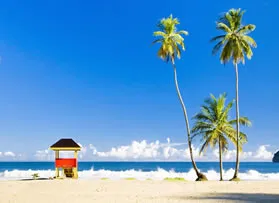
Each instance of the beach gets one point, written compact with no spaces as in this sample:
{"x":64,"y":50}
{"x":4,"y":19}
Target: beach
{"x":126,"y":191}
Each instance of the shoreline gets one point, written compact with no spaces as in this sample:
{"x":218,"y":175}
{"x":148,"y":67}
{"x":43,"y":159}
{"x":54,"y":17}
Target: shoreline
{"x":103,"y":179}
{"x":159,"y":174}
{"x":126,"y":191}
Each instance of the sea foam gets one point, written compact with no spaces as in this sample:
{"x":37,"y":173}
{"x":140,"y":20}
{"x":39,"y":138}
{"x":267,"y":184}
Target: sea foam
{"x":159,"y":174}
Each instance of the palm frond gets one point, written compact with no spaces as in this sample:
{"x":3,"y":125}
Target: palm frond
{"x":246,"y":29}
{"x":208,"y":142}
{"x":247,"y":49}
{"x":201,"y":126}
{"x":225,"y":112}
{"x":226,"y":19}
{"x":217,"y":47}
{"x":230,"y":132}
{"x":220,"y":106}
{"x":238,"y":18}
{"x":243,"y":137}
{"x":204,"y":133}
{"x":249,"y":40}
{"x":224,"y":143}
{"x":212,"y":124}
{"x":223,"y":27}
{"x":182,"y":32}
{"x":242,"y":121}
{"x":177,"y":39}
{"x":157,"y":41}
{"x":204,"y":147}
{"x":237,"y":52}
{"x":159,"y":34}
{"x":203,"y":117}
{"x":171,"y":40}
{"x":220,"y":37}
{"x":226,"y":52}
{"x":232,"y":44}
{"x":208,"y":112}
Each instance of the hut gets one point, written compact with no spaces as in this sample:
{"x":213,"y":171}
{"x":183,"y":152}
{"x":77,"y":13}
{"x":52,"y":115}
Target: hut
{"x":69,"y":166}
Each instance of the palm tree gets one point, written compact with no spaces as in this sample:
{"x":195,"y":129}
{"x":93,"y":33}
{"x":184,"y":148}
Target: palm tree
{"x":234,"y":44}
{"x":172,"y":42}
{"x":215,"y":127}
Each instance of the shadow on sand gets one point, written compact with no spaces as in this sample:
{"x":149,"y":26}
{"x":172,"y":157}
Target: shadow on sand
{"x":30,"y":179}
{"x":232,"y":197}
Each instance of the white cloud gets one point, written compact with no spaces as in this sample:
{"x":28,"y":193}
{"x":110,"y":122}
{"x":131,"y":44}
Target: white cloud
{"x":168,"y":151}
{"x":82,"y":151}
{"x":260,"y":154}
{"x":148,"y":151}
{"x":44,"y":155}
{"x":142,"y":150}
{"x":11,"y":154}
{"x":168,"y":140}
{"x":49,"y":155}
{"x":7,"y":155}
{"x":137,"y":150}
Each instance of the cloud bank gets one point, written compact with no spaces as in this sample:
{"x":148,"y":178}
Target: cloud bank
{"x":144,"y":151}
{"x":156,"y":151}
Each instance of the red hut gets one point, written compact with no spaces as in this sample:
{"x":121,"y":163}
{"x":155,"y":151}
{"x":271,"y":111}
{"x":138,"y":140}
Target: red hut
{"x":69,"y":166}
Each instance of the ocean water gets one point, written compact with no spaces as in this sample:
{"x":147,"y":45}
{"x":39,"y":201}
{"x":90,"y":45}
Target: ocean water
{"x":143,"y":170}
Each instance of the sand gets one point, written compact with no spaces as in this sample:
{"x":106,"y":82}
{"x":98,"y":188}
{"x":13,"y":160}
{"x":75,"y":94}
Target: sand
{"x":124,"y":191}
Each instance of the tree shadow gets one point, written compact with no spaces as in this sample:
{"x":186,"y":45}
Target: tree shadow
{"x":237,"y":197}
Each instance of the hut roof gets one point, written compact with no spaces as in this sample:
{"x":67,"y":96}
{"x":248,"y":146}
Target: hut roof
{"x":64,"y":144}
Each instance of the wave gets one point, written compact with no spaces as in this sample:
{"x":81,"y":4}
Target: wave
{"x":159,"y":174}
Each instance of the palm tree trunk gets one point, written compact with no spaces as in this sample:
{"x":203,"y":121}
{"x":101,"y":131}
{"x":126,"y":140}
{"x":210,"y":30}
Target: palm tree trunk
{"x":237,"y":124}
{"x":200,"y":175}
{"x":220,"y":159}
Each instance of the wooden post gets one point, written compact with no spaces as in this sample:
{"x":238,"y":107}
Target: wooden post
{"x":75,"y":170}
{"x":56,"y":169}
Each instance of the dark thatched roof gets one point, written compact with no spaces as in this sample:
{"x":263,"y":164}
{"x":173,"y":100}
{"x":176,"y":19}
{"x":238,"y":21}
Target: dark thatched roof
{"x":65,"y":143}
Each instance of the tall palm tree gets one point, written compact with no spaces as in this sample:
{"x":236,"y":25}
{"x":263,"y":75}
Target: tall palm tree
{"x":215,"y":127}
{"x":234,"y":45}
{"x":172,"y":42}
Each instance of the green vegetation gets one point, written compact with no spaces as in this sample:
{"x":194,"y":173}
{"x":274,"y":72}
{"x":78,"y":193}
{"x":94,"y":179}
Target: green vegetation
{"x":234,"y":45}
{"x":172,"y":43}
{"x":213,"y":124}
{"x":175,"y":179}
{"x":35,"y":176}
{"x":131,"y":178}
{"x":104,"y":178}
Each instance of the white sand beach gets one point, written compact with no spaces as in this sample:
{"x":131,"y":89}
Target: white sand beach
{"x":126,"y":191}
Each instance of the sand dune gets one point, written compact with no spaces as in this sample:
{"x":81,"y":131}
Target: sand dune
{"x":126,"y":191}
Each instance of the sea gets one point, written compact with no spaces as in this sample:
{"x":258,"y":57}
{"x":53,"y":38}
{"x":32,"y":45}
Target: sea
{"x":143,"y":170}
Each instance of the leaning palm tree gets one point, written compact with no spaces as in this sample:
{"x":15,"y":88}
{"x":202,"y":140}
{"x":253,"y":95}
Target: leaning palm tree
{"x":171,"y":44}
{"x":234,"y":45}
{"x":215,"y":126}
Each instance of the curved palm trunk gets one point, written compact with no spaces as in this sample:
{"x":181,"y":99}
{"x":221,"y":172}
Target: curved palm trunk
{"x":237,"y":124}
{"x":200,"y":175}
{"x":220,"y":159}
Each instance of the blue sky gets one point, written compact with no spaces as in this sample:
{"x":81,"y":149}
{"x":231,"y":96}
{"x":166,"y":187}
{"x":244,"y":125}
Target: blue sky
{"x":88,"y":71}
